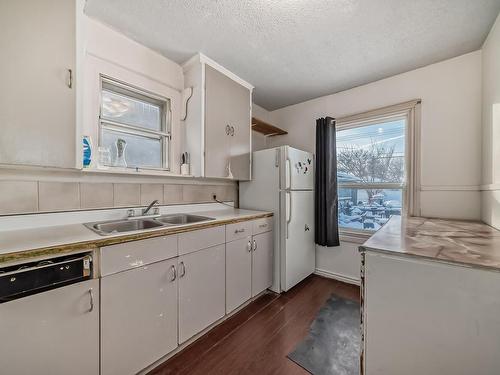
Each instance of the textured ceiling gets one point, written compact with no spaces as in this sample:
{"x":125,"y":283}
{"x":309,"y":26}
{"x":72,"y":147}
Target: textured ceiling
{"x":295,"y":50}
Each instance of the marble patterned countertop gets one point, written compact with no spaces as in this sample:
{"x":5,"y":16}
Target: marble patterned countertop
{"x":37,"y":243}
{"x":464,"y":242}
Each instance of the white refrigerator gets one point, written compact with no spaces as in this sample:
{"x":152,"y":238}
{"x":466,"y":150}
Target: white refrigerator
{"x":283,"y":182}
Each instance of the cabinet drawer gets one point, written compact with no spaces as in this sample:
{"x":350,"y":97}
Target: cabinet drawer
{"x":238,"y":230}
{"x":201,"y":239}
{"x":262,"y":225}
{"x":124,"y":256}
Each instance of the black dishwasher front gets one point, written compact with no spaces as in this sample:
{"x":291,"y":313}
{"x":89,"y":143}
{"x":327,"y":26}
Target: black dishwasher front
{"x":35,"y":277}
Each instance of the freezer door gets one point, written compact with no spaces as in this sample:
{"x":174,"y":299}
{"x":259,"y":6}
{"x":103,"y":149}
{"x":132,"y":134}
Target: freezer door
{"x":298,"y":250}
{"x":297,"y":170}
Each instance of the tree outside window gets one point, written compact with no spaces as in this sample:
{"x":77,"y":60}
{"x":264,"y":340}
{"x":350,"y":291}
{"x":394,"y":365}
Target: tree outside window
{"x":371,"y":173}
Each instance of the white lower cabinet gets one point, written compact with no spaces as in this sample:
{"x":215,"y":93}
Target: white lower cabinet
{"x":138,"y":317}
{"x":151,"y":304}
{"x":238,"y":273}
{"x":147,"y":302}
{"x":249,"y":263}
{"x":201,"y":290}
{"x":262,"y":262}
{"x":54,"y":332}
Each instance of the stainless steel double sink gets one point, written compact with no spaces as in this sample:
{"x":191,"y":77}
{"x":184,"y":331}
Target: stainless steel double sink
{"x":105,"y":228}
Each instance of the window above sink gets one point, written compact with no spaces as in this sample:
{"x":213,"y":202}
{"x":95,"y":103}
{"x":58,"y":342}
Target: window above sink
{"x":134,"y":127}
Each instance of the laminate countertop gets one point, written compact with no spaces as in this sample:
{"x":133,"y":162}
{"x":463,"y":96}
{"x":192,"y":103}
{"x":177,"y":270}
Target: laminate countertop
{"x":467,"y":243}
{"x":36,"y":243}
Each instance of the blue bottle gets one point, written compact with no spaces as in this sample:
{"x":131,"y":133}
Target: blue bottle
{"x":87,"y":151}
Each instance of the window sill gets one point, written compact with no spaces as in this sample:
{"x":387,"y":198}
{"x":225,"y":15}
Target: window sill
{"x":353,"y":236}
{"x":138,"y":172}
{"x":148,"y":173}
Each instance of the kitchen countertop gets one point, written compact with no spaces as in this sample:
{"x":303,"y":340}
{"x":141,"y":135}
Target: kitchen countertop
{"x":33,"y":243}
{"x":464,"y":242}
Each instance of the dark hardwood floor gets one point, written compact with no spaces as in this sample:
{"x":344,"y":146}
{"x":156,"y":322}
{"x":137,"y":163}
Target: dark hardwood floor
{"x":257,"y":339}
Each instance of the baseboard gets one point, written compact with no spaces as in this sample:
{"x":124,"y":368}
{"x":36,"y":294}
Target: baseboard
{"x":337,"y":276}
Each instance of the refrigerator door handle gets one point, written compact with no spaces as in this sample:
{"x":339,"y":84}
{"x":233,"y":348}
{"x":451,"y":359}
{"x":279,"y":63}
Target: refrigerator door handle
{"x":288,"y":174}
{"x":288,"y":210}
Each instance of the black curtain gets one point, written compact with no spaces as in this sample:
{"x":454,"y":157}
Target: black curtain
{"x":326,"y":199}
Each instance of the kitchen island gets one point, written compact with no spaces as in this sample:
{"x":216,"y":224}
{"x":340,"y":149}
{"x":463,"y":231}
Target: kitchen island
{"x":431,"y":298}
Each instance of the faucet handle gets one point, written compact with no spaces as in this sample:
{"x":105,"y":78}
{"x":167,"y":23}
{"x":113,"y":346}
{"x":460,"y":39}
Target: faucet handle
{"x":156,"y":211}
{"x":130,"y":213}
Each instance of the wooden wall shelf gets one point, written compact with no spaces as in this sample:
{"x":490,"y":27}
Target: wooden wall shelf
{"x":265,"y":128}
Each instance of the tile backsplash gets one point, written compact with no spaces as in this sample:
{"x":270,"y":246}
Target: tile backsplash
{"x":58,"y":196}
{"x":19,"y":196}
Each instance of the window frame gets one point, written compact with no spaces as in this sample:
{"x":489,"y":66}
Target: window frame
{"x":410,"y":111}
{"x":164,"y":135}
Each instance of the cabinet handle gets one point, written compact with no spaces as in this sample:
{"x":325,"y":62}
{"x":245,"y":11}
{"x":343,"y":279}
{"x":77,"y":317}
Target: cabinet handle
{"x":239,"y":231}
{"x":254,"y":245}
{"x":70,"y":78}
{"x":263,"y":226}
{"x":91,"y":295}
{"x":249,"y":246}
{"x":174,"y":273}
{"x":232,"y":131}
{"x":228,"y":130}
{"x":182,"y":271}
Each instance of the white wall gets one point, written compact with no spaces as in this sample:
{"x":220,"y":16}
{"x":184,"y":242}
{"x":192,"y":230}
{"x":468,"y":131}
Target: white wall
{"x":259,"y":141}
{"x":450,"y":138}
{"x":113,"y":54}
{"x":490,"y":196}
{"x":261,"y":113}
{"x":343,"y":263}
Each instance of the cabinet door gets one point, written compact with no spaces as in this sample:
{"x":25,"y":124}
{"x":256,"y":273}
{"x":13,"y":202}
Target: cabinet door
{"x":37,"y":106}
{"x":138,"y":317}
{"x":239,"y":142}
{"x":201,"y":290}
{"x":238,"y":273}
{"x":227,"y":106}
{"x":52,"y":333}
{"x":217,"y":96}
{"x":262,"y":262}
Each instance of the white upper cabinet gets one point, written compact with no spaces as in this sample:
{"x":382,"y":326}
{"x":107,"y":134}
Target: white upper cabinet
{"x":227,"y":127}
{"x":218,"y":121}
{"x":37,"y":71}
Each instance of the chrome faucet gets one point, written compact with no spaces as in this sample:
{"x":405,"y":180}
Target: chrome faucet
{"x":146,"y":210}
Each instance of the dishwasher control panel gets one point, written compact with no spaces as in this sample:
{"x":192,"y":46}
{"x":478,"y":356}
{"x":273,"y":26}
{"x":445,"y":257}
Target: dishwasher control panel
{"x":35,"y":277}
